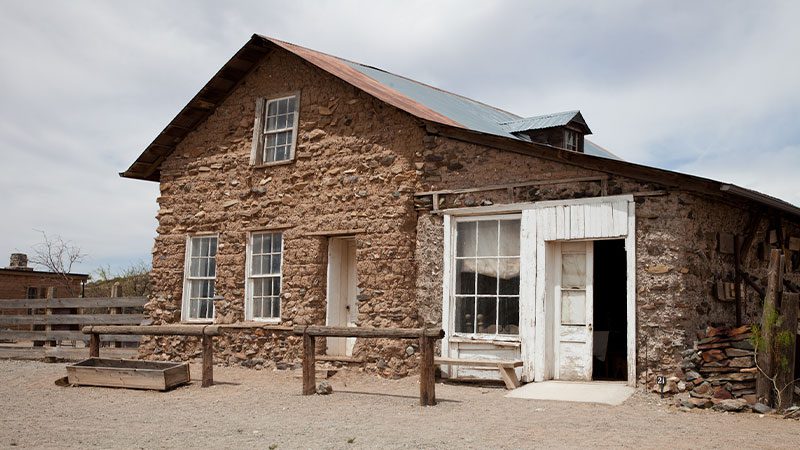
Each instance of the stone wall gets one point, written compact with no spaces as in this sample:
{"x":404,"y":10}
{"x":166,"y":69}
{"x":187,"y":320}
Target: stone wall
{"x":354,"y":170}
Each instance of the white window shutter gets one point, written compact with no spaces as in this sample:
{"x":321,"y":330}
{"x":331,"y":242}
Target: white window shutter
{"x":258,"y":132}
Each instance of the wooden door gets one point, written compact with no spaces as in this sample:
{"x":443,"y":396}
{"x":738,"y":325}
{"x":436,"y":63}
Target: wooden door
{"x":342,"y":308}
{"x":573,"y":310}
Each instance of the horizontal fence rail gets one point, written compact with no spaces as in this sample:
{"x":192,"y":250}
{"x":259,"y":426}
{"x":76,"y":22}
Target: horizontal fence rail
{"x":50,"y":327}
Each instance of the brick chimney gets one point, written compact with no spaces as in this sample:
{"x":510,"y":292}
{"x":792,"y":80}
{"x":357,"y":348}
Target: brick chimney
{"x":19,"y":261}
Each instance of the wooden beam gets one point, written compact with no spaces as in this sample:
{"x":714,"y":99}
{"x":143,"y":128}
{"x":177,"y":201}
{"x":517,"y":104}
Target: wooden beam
{"x":68,"y":353}
{"x":337,"y":232}
{"x":100,"y":302}
{"x":208,"y":361}
{"x":765,"y":356}
{"x":498,"y":187}
{"x":362,"y":332}
{"x":156,"y":330}
{"x":73,"y":319}
{"x":309,"y":369}
{"x":62,"y":335}
{"x":94,"y":346}
{"x":427,"y":371}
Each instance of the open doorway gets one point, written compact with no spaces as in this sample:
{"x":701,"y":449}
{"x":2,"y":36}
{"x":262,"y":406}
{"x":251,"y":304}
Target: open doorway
{"x":610,"y":311}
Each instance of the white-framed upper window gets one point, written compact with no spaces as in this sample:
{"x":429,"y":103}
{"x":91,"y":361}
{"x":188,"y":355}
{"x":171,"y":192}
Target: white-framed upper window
{"x":571,"y":140}
{"x":264,"y":262}
{"x":486,"y":264}
{"x":275,"y":132}
{"x":200,"y":278}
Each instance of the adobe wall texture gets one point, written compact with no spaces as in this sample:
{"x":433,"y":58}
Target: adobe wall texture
{"x":354,"y":169}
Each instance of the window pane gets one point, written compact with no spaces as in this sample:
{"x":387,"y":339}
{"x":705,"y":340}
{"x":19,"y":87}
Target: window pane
{"x":213,"y":246}
{"x":193,"y":309}
{"x":487,"y":276}
{"x":257,"y":288}
{"x":487,"y":315}
{"x":487,"y":237}
{"x":465,"y":314}
{"x":271,"y":121}
{"x":509,"y":286}
{"x":276,"y":264}
{"x":276,"y":286}
{"x":573,"y":270}
{"x":257,"y":307}
{"x":280,"y":123}
{"x":272,"y":108}
{"x":509,"y":238}
{"x":292,"y":104}
{"x":194,"y":244}
{"x":465,"y":276}
{"x":270,"y":140}
{"x":194,"y":267}
{"x":508,"y":316}
{"x":267,"y":243}
{"x":282,"y":104}
{"x":573,"y":307}
{"x":256,"y":246}
{"x":465,"y":232}
{"x":276,"y":307}
{"x":276,"y":242}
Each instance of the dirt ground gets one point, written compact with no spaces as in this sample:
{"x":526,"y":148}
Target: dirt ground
{"x":264,"y":409}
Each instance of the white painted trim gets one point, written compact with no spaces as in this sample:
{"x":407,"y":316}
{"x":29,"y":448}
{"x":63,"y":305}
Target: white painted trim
{"x":527,"y":295}
{"x":630,"y":253}
{"x":185,"y":295}
{"x":447,"y":279}
{"x":512,"y":208}
{"x":248,"y":306}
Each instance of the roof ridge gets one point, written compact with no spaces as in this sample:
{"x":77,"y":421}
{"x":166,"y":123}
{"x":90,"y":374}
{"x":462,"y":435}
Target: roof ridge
{"x":396,"y":75}
{"x":541,"y":116}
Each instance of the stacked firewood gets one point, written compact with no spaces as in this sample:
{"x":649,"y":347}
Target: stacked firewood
{"x":721,"y":367}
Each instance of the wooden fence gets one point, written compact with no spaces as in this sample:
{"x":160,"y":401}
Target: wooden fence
{"x":51,"y":327}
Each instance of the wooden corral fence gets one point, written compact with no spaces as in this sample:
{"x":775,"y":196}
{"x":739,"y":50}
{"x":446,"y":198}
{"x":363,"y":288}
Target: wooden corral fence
{"x":51,"y":327}
{"x":427,"y":339}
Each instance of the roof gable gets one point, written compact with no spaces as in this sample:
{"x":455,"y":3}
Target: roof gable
{"x":574,"y":118}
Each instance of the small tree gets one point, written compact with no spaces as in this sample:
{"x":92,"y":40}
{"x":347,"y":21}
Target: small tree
{"x":58,"y":256}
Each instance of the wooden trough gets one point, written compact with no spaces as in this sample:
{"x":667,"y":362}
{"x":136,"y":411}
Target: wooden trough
{"x":128,"y":373}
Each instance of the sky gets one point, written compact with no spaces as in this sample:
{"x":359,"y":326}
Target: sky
{"x":710,"y":88}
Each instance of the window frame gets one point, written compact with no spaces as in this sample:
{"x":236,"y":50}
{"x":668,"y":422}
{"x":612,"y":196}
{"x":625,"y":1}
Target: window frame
{"x":185,"y":299}
{"x":452,"y":295}
{"x":248,"y":303}
{"x":574,"y":134}
{"x":260,"y":132}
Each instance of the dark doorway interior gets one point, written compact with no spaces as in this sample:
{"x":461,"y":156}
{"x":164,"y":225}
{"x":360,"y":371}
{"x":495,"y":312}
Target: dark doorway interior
{"x":610,"y":311}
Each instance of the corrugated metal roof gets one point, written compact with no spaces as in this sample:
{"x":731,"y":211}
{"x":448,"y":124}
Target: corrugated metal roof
{"x":468,"y":113}
{"x":590,"y":148}
{"x":540,"y":122}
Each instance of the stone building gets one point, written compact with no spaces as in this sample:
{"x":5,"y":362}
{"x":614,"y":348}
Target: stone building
{"x":301,"y":188}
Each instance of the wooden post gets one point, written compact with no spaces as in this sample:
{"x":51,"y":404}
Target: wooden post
{"x":208,"y":361}
{"x":427,"y":371}
{"x":765,"y":355}
{"x":94,"y":345}
{"x":116,"y":291}
{"x":785,"y":374}
{"x":309,"y":369}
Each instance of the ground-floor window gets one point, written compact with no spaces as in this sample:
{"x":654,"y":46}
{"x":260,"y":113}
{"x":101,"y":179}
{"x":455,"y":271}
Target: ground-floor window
{"x":200,"y":277}
{"x":265,"y":253}
{"x":486,"y":269}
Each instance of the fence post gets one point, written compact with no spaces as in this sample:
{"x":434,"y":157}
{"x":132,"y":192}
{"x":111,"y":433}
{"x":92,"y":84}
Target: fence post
{"x":208,"y":361}
{"x":309,"y":365}
{"x":427,"y":382}
{"x":48,"y":311}
{"x":116,"y":291}
{"x":94,"y":345}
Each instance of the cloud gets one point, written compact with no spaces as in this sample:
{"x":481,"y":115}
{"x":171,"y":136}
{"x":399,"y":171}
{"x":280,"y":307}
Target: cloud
{"x":707,"y":87}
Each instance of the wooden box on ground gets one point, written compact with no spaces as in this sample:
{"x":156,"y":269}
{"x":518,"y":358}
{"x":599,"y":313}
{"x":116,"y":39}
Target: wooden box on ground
{"x":127,"y":373}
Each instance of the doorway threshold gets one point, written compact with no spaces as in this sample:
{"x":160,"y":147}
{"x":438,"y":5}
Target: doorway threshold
{"x":603,"y":392}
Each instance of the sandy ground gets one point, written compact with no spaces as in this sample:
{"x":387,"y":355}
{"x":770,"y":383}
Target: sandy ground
{"x":263,"y":409}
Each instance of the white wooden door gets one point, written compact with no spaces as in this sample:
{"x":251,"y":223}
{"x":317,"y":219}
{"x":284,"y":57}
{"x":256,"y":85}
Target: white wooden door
{"x":573,"y":310}
{"x":342,"y":308}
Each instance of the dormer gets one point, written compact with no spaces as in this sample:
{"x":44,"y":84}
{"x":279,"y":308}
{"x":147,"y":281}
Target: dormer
{"x":563,"y":130}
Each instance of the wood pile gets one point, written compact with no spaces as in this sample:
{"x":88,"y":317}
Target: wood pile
{"x":720,"y":369}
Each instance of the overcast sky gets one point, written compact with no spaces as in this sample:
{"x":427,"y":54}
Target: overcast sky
{"x":711,"y":88}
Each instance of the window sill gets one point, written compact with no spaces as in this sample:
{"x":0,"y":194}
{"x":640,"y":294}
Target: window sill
{"x":197,"y":322}
{"x":510,"y":341}
{"x":275,"y":321}
{"x":272,"y":164}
